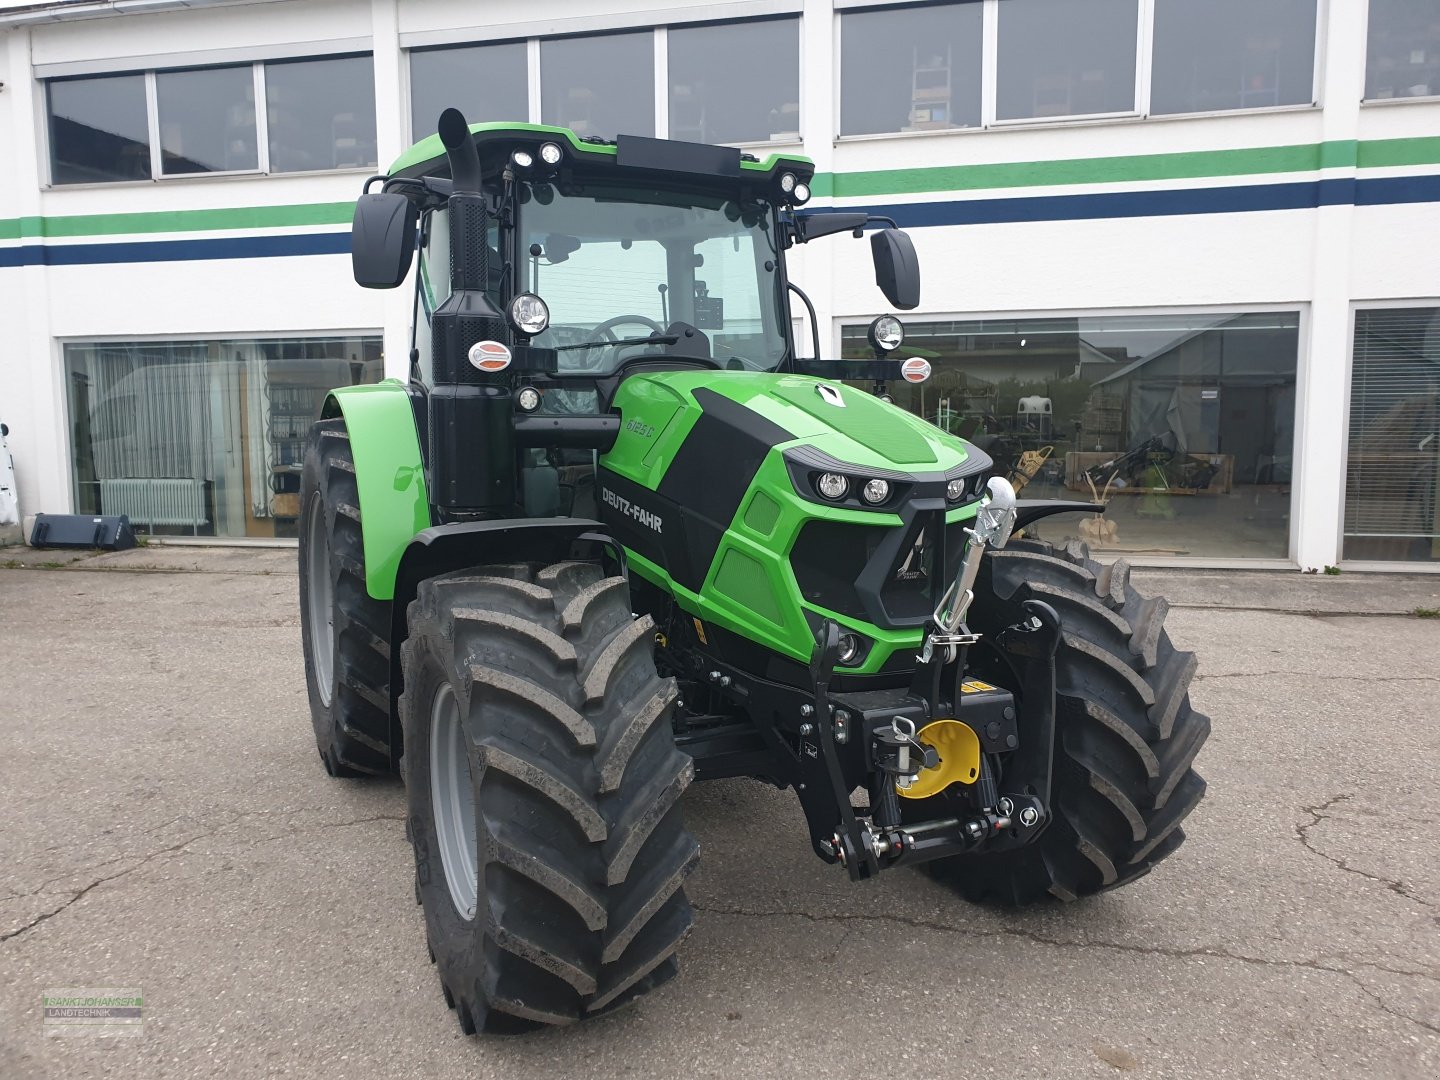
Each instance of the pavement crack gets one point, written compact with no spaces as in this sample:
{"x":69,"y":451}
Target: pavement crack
{"x":1168,"y":952}
{"x":1320,"y":813}
{"x":172,"y":849}
{"x":177,"y":848}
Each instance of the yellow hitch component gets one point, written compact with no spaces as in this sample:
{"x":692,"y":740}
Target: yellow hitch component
{"x":959,"y":750}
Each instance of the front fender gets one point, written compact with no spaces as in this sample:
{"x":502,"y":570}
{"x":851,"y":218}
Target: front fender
{"x":389,"y":473}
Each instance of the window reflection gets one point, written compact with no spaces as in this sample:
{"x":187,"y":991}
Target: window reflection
{"x":1232,"y":54}
{"x":321,"y":113}
{"x":98,"y":130}
{"x":203,"y":438}
{"x":207,"y":120}
{"x":910,"y":69}
{"x":713,"y":99}
{"x":485,"y":82}
{"x":1060,"y":58}
{"x":1182,"y":424}
{"x":1403,"y":54}
{"x":602,"y":85}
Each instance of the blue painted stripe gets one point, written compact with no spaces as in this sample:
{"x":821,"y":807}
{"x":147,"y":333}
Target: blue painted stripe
{"x":234,"y":247}
{"x":1246,"y":198}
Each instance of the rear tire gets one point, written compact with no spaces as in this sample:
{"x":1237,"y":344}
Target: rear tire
{"x":345,"y":633}
{"x":543,"y":785}
{"x":1125,"y":734}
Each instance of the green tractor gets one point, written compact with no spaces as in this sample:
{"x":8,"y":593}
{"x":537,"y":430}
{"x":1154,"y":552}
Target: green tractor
{"x":612,"y":535}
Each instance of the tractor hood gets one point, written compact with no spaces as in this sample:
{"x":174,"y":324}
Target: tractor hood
{"x":848,"y":426}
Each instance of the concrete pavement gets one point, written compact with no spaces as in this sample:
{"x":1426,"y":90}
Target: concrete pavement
{"x":165,"y":824}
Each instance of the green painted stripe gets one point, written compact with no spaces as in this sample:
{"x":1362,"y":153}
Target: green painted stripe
{"x":238,"y":217}
{"x":1310,"y":157}
{"x":1383,"y":153}
{"x":1255,"y":161}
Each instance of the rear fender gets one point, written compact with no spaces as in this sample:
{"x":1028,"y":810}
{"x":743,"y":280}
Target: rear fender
{"x":461,"y":545}
{"x":389,"y":473}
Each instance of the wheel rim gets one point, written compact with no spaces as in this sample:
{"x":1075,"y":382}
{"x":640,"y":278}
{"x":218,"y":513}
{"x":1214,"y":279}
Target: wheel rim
{"x":452,"y":799}
{"x":322,"y":598}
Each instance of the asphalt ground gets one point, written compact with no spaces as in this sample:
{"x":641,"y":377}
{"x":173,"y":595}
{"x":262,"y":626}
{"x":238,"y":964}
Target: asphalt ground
{"x":165,"y":825}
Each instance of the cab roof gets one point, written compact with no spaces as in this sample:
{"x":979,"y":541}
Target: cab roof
{"x":628,"y":154}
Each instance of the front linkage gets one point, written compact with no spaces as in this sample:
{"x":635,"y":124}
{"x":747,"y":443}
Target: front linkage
{"x":908,"y":746}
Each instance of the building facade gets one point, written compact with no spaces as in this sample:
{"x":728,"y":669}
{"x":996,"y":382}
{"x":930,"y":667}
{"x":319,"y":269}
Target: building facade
{"x":1185,"y":253}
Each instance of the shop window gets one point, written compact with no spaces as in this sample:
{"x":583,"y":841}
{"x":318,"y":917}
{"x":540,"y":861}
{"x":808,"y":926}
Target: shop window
{"x":601,"y":85}
{"x":485,"y":82}
{"x":910,"y":69}
{"x":714,"y":99}
{"x":1232,"y":54}
{"x":207,"y":120}
{"x":99,"y":129}
{"x":1403,"y":54}
{"x":1060,"y":58}
{"x":1183,"y":425}
{"x":321,"y":113}
{"x":1392,"y":481}
{"x":203,"y":438}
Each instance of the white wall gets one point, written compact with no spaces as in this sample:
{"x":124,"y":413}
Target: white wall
{"x":1314,"y":260}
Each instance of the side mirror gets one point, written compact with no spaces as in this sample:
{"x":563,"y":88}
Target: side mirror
{"x":897,"y":269}
{"x":382,"y":239}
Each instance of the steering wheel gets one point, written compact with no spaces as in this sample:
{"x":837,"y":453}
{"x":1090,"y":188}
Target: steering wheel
{"x":606,"y":329}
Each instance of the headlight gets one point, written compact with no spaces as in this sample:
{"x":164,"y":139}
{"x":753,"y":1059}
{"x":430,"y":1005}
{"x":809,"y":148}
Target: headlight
{"x":550,"y":153}
{"x":801,"y":193}
{"x":527,"y":399}
{"x":832,"y":485}
{"x":787,"y":182}
{"x":849,"y":648}
{"x":528,"y":314}
{"x":522,"y":159}
{"x":886,"y":333}
{"x":955,"y":490}
{"x":876,"y":491}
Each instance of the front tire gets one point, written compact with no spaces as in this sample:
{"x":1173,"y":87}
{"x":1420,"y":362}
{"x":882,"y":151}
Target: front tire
{"x":543,"y":785}
{"x":345,"y":633}
{"x":1125,"y":734}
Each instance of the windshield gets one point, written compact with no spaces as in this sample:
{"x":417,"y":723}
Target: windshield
{"x":617,"y":264}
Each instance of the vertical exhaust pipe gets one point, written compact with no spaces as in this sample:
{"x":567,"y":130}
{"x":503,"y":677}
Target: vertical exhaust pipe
{"x":472,"y":426}
{"x":460,"y":151}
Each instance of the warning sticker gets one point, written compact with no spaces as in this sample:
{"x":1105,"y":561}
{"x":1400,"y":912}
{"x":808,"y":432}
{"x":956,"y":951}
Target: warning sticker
{"x":974,"y":686}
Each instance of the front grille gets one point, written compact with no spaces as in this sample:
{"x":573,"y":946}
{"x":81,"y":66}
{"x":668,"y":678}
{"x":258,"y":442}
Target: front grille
{"x":892,"y":576}
{"x":827,"y":558}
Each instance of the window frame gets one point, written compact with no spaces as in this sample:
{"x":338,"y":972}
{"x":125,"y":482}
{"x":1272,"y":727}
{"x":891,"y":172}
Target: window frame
{"x":152,"y":120}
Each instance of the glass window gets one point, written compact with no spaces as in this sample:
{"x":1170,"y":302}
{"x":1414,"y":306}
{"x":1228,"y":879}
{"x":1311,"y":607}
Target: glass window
{"x":321,"y":113}
{"x":611,"y":266}
{"x":1184,"y":425}
{"x":1232,"y":54}
{"x":910,"y":69}
{"x":714,"y":99}
{"x":203,"y":438}
{"x":485,"y":82}
{"x":1392,"y":483}
{"x":207,"y":120}
{"x":1403,"y":57}
{"x":1060,"y":58}
{"x":99,"y":130}
{"x":601,"y":85}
